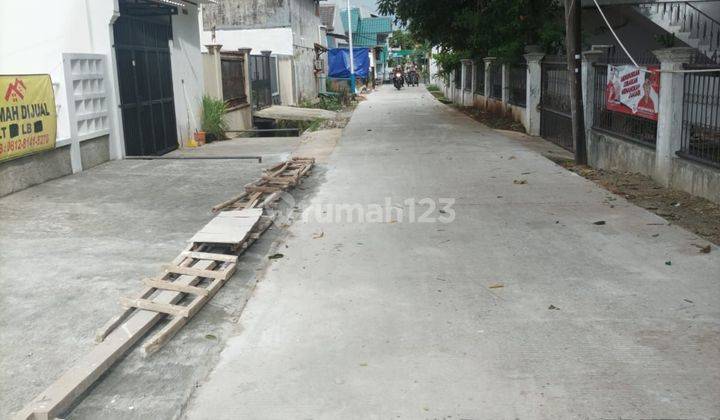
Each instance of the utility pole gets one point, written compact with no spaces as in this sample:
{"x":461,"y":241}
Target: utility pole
{"x":351,"y":51}
{"x":573,"y":47}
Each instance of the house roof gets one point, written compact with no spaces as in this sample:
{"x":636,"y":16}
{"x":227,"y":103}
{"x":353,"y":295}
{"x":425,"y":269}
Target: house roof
{"x":327,"y":16}
{"x":366,"y":29}
{"x":375,"y":25}
{"x":354,"y":18}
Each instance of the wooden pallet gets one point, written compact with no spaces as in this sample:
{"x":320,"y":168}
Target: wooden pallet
{"x":179,"y":291}
{"x":265,"y":191}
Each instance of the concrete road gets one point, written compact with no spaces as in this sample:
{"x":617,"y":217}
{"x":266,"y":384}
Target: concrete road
{"x":69,"y":248}
{"x":521,"y":307}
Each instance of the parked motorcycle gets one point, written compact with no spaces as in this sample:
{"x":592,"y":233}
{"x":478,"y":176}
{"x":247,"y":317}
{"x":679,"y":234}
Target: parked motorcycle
{"x":398,"y":80}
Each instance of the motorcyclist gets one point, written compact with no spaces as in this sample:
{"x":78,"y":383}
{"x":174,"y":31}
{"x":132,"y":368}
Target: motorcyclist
{"x":412,"y":74}
{"x":398,"y":77}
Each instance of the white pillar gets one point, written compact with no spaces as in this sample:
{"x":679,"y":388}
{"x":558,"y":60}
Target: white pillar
{"x":488,"y":63}
{"x":588,"y":87}
{"x":505,"y":83}
{"x":669,"y":128}
{"x":532,"y":92}
{"x":466,"y":97}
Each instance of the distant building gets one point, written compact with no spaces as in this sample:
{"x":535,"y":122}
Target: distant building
{"x":290,"y":30}
{"x":370,"y":31}
{"x":334,"y":25}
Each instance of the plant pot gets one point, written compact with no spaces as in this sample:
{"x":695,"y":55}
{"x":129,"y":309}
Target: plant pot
{"x":210,"y":137}
{"x":200,"y":137}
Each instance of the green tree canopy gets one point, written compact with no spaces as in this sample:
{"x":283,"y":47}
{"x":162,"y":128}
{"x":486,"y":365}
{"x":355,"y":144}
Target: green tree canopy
{"x":477,"y":28}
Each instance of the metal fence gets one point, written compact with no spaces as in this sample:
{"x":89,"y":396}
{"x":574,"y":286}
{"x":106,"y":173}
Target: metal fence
{"x":480,"y":77}
{"x":555,"y":119}
{"x":625,"y":126}
{"x":468,"y":77}
{"x":518,"y":82}
{"x":496,"y":81}
{"x":260,"y":81}
{"x":457,"y":74}
{"x":701,"y":116}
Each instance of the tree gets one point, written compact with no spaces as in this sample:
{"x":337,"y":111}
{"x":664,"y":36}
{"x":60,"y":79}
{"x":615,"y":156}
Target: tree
{"x":478,"y":28}
{"x":402,"y":39}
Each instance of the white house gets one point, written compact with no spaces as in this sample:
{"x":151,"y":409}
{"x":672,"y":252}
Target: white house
{"x":127,"y":76}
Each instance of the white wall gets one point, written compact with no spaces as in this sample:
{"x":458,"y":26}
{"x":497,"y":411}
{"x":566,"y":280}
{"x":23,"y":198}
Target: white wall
{"x":85,"y":26}
{"x":277,"y":40}
{"x":187,"y":71}
{"x":68,"y":26}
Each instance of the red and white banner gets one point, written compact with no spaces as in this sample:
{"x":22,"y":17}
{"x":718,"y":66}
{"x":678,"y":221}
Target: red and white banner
{"x":634,"y":91}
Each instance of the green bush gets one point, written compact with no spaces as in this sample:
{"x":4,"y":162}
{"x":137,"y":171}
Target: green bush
{"x":213,"y":117}
{"x":433,"y":88}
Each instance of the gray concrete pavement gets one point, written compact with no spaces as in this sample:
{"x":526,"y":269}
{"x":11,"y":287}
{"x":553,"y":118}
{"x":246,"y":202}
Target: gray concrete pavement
{"x":69,"y":248}
{"x":399,"y":320}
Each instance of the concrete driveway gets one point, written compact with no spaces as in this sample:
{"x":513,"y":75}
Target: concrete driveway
{"x":69,"y":248}
{"x":521,"y":307}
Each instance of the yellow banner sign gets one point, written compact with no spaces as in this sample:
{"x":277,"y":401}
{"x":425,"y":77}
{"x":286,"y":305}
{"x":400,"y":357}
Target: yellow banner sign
{"x":28,"y":121}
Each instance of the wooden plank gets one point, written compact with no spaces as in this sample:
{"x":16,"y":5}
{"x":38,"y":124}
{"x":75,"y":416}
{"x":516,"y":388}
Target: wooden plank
{"x":115,"y":321}
{"x":229,"y":227}
{"x":264,"y":189}
{"x":210,"y":256}
{"x":192,"y":271}
{"x":61,"y":394}
{"x":170,"y":285}
{"x":149,"y":305}
{"x":175,"y":324}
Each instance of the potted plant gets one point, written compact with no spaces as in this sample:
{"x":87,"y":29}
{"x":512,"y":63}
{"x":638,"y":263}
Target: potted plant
{"x":213,"y":124}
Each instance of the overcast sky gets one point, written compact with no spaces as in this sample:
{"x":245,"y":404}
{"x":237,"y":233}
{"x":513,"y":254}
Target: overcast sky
{"x":370,"y":4}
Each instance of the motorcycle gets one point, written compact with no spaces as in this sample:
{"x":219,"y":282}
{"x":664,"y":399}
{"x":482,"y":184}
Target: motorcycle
{"x":413,"y":79}
{"x":398,"y":80}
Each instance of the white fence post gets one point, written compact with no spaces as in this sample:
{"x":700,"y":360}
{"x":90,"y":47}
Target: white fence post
{"x":488,"y":63}
{"x":588,"y":85}
{"x":505,"y":83}
{"x":669,"y":128}
{"x":532,"y":92}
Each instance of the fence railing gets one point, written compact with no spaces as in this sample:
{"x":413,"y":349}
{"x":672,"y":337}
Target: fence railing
{"x":496,"y":81}
{"x":701,"y":117}
{"x":517,"y":82}
{"x":458,"y":77}
{"x":626,"y":126}
{"x":468,"y":77}
{"x":480,"y":77}
{"x":555,"y":119}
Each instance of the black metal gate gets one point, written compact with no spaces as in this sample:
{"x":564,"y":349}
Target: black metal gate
{"x":145,"y":80}
{"x":555,"y":117}
{"x":260,"y":81}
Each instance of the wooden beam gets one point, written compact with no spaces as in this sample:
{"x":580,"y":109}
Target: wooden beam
{"x":210,"y":256}
{"x":61,"y":394}
{"x":149,"y":305}
{"x":170,"y":285}
{"x":192,"y":271}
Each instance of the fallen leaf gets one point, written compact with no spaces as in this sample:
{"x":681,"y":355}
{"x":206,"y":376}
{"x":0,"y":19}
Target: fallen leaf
{"x":511,"y":158}
{"x":520,"y":181}
{"x":599,"y":222}
{"x":319,"y":235}
{"x":275,"y":256}
{"x":210,"y":337}
{"x":496,"y":286}
{"x":704,"y":249}
{"x":363,"y":364}
{"x":688,"y":300}
{"x":668,"y":262}
{"x":553,"y":307}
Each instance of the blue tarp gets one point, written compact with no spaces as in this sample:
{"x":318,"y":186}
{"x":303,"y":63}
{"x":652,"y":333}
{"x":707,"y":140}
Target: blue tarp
{"x":339,"y":62}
